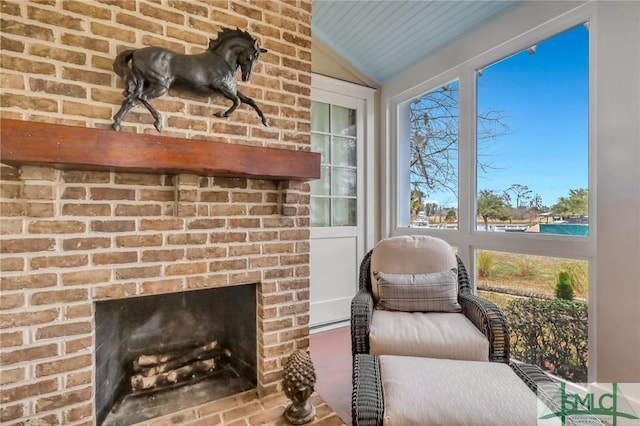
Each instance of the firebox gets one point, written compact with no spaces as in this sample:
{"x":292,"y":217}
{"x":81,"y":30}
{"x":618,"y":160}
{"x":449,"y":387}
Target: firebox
{"x":158,"y":354}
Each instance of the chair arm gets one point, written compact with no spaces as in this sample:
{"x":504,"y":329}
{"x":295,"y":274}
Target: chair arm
{"x":367,"y":399}
{"x":361,"y":312}
{"x":531,"y":375}
{"x":489,"y":319}
{"x":549,"y":391}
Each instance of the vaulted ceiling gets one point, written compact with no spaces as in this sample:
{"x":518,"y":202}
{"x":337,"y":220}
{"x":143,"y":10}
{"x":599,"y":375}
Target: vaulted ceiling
{"x":382,"y":38}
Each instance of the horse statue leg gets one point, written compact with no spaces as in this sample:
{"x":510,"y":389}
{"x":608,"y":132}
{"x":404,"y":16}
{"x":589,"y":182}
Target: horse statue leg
{"x":153,"y":91}
{"x":143,"y":98}
{"x":247,"y":100}
{"x":237,"y":98}
{"x":127,"y":104}
{"x":231,"y":95}
{"x":133,"y":82}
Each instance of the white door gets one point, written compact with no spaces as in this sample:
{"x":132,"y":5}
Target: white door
{"x":339,"y":131}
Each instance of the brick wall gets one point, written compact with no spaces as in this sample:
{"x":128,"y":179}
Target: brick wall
{"x":69,"y":238}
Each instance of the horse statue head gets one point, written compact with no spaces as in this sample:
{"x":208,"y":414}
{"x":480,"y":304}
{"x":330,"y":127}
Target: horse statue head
{"x":242,"y":45}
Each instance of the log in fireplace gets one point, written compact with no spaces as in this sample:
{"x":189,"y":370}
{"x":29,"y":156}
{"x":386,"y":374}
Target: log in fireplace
{"x":159,"y":354}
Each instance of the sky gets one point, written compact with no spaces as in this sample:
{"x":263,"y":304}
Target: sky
{"x":544,"y":101}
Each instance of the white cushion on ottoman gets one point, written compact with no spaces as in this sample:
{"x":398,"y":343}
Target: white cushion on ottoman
{"x":430,"y":334}
{"x":426,"y":391}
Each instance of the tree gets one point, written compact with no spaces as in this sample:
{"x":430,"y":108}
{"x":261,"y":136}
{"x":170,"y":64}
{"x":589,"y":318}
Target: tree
{"x":490,"y":206}
{"x":535,"y":206}
{"x":521,"y":192}
{"x":433,"y":132}
{"x":576,"y":204}
{"x":416,"y":202}
{"x":430,"y":209}
{"x":536,"y":202}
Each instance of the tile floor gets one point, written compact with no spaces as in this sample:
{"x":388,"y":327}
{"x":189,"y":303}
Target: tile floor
{"x":331,"y":355}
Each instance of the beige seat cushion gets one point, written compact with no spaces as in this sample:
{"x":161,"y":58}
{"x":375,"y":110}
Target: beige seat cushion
{"x":432,"y":334}
{"x":415,"y":254}
{"x":425,"y":391}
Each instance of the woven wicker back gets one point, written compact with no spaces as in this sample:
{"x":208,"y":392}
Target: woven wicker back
{"x":364,"y":283}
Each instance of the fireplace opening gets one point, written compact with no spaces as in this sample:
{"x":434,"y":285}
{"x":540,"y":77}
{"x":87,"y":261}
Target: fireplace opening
{"x":159,"y":354}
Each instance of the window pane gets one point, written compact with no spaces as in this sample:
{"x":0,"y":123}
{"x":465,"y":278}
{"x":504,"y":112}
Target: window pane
{"x":344,"y":151}
{"x":320,"y":211}
{"x":343,"y":121}
{"x":433,"y":132}
{"x":545,"y":331}
{"x":344,"y":212}
{"x":344,"y":181}
{"x":532,"y":136}
{"x":319,"y":117}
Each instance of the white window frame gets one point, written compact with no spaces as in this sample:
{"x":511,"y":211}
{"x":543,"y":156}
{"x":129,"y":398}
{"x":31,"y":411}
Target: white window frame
{"x":466,"y":238}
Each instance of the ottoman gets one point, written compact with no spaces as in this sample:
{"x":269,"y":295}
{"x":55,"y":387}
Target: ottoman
{"x":405,"y":391}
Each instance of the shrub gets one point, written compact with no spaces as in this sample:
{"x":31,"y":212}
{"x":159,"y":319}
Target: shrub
{"x":451,"y":216}
{"x":485,"y":263}
{"x":564,"y":290}
{"x":551,"y":334}
{"x":525,"y":267}
{"x":578,"y":273}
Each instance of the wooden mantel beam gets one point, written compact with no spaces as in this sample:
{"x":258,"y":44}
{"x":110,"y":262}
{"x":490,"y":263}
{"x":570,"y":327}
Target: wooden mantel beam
{"x":80,"y":148}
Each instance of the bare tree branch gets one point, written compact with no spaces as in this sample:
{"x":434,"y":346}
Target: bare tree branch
{"x":434,"y":140}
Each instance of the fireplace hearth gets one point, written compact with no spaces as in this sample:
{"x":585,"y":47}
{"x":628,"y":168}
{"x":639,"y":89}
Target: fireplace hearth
{"x":159,"y":354}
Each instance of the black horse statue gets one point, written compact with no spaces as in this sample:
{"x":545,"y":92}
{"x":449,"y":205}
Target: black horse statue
{"x":151,"y":71}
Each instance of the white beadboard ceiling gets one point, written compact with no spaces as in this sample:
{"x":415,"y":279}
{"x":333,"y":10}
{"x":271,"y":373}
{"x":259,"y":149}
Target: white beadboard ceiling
{"x":382,"y":38}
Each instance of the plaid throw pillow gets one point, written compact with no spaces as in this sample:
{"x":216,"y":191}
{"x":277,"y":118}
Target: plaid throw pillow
{"x":434,"y":292}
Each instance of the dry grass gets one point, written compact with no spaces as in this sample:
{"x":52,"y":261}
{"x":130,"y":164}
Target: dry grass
{"x":528,"y":273}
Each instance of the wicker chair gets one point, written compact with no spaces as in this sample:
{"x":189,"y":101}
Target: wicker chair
{"x":486,"y":316}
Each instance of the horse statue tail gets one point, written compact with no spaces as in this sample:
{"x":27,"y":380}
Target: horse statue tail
{"x":121,"y":67}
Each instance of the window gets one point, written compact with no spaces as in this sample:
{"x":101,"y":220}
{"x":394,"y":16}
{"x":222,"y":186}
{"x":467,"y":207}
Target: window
{"x":516,"y":169}
{"x":433,"y":139}
{"x":532,"y":178}
{"x":333,"y":135}
{"x":534,"y":172}
{"x":544,"y":299}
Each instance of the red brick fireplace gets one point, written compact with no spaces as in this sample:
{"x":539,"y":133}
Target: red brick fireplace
{"x":74,"y":238}
{"x":71,"y":237}
{"x":157,"y":355}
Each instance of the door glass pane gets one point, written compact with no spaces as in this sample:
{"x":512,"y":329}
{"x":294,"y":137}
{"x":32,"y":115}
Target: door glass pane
{"x":343,"y":121}
{"x":320,"y":214}
{"x":319,"y":117}
{"x":333,"y":135}
{"x":344,"y":212}
{"x":322,"y":186}
{"x":533,"y":138}
{"x":344,"y":151}
{"x":433,"y":134}
{"x":320,"y":143}
{"x":344,"y":181}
